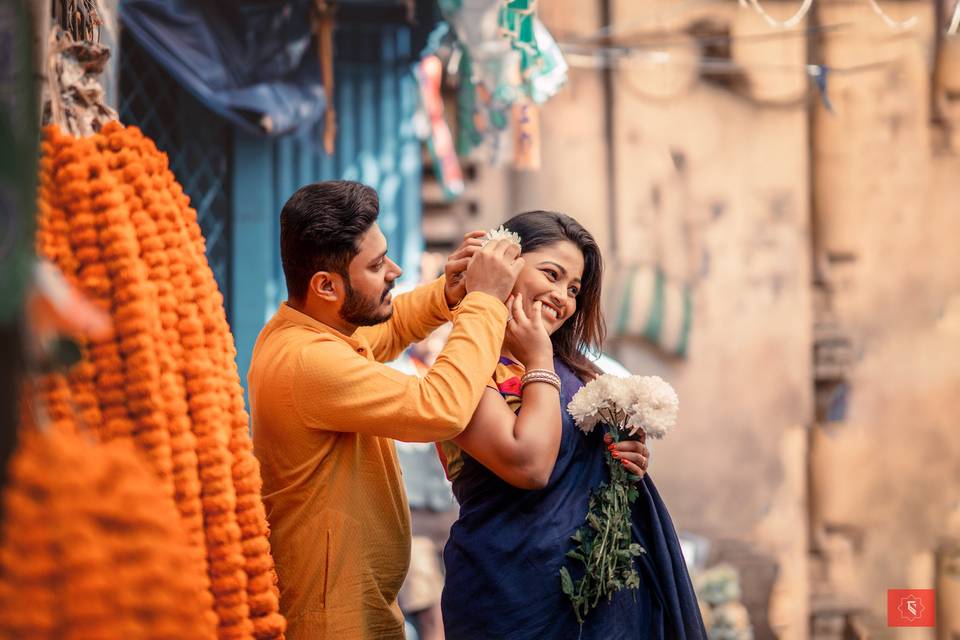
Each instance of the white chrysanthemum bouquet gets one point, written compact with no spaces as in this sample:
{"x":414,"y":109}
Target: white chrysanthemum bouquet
{"x":637,"y":403}
{"x":604,"y":544}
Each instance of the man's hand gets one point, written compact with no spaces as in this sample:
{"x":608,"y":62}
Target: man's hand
{"x":494,"y":269}
{"x":633,"y":454}
{"x":455,"y":287}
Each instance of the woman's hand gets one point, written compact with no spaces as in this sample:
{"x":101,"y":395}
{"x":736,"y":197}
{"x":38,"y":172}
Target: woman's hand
{"x":526,"y":337}
{"x":632,"y":454}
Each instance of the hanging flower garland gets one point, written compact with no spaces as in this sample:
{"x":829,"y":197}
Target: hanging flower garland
{"x":93,"y":550}
{"x":167,"y":382}
{"x":262,"y":591}
{"x":158,"y":258}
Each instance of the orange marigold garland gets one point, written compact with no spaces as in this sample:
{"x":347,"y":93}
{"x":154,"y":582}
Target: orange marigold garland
{"x":158,"y":258}
{"x":168,"y":381}
{"x":263,"y":596}
{"x":90,"y":546}
{"x":206,"y":405}
{"x":54,"y":234}
{"x":262,"y":585}
{"x":137,"y":324}
{"x":104,"y":376}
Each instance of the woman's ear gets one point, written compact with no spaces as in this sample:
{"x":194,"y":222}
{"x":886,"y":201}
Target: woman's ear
{"x":326,"y":286}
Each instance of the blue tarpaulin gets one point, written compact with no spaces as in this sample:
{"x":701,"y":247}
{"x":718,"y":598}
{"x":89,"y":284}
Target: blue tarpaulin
{"x":254,"y":63}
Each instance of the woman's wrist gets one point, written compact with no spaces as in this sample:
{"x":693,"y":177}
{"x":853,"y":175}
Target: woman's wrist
{"x":539,"y":362}
{"x":547,"y":376}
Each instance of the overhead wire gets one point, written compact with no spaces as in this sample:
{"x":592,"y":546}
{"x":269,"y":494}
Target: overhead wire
{"x":613,"y":57}
{"x":594,"y":59}
{"x":609,"y":30}
{"x":954,"y":21}
{"x":668,"y":39}
{"x":789,"y":23}
{"x":890,"y":22}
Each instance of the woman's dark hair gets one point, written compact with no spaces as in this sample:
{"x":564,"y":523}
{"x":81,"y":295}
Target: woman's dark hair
{"x":585,"y":329}
{"x":320,"y":230}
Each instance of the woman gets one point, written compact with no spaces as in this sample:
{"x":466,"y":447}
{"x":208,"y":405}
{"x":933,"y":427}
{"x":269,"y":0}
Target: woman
{"x":522,"y":472}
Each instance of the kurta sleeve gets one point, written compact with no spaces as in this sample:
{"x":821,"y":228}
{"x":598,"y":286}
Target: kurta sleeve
{"x":415,"y":315}
{"x":338,"y":389}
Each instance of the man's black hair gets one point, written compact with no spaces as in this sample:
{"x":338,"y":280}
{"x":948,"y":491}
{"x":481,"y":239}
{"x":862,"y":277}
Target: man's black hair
{"x":320,"y":230}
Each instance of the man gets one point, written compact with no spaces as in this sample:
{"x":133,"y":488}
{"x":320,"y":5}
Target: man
{"x":325,"y":410}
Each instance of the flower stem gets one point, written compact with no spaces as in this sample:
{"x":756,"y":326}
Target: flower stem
{"x":605,"y":543}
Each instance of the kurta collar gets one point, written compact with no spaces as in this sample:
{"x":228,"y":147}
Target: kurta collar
{"x":290,"y":314}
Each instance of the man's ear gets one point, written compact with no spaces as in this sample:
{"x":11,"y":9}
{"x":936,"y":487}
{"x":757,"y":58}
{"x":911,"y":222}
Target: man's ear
{"x":327,"y":286}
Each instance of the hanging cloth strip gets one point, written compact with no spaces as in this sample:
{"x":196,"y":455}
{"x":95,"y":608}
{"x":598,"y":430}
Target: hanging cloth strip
{"x":429,"y":74}
{"x":252,"y":64}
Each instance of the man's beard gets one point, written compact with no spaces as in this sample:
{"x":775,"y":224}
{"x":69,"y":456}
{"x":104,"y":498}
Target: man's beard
{"x":363,"y":312}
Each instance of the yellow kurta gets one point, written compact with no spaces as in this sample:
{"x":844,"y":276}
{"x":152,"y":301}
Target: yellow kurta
{"x":325,"y":412}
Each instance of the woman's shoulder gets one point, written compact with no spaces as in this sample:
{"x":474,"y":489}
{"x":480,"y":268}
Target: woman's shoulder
{"x":507,"y":381}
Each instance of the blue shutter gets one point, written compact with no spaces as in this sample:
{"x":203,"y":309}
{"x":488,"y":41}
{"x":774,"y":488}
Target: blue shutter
{"x":376,"y":98}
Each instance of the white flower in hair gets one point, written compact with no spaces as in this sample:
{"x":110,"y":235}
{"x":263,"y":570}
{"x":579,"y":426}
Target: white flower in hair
{"x":500,"y":233}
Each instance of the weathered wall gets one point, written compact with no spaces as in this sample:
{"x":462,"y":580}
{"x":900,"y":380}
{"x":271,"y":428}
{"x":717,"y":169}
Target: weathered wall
{"x":713,"y":187}
{"x":887,"y":220}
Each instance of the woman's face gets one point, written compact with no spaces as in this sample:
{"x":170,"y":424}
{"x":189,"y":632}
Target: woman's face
{"x":552,"y":275}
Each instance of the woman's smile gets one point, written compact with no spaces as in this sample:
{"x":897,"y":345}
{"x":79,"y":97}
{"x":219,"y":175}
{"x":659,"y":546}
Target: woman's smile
{"x":551,"y":312}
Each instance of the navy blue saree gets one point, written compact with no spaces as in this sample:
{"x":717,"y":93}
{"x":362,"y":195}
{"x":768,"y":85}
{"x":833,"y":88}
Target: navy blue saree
{"x":506,"y":549}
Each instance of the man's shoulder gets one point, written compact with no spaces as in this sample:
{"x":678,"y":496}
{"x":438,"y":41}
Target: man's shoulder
{"x":283,"y":344}
{"x":279,"y":331}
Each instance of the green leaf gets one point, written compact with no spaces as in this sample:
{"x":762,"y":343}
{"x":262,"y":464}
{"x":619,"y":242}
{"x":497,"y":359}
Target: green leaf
{"x":604,"y":545}
{"x":566,"y":582}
